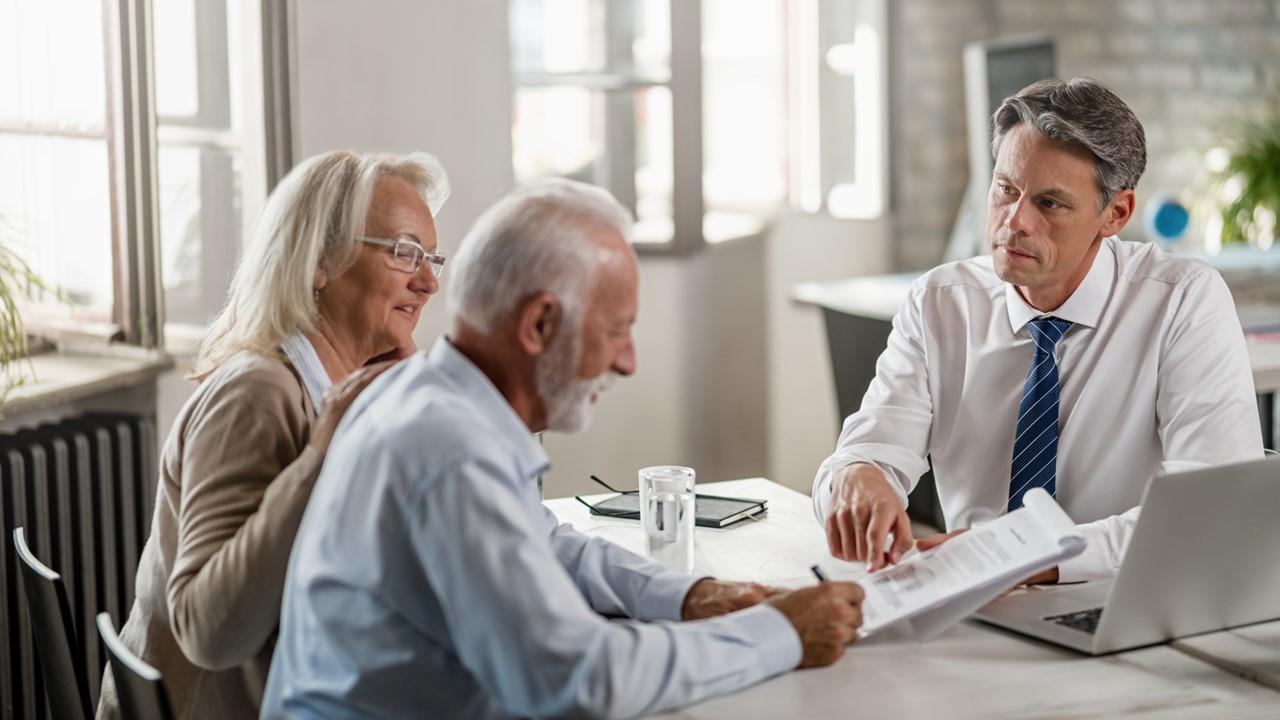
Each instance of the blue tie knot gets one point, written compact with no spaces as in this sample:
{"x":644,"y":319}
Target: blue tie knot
{"x":1048,"y":330}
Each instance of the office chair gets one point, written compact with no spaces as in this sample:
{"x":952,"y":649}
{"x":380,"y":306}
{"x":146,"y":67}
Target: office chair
{"x":55,"y":635}
{"x":138,"y":685}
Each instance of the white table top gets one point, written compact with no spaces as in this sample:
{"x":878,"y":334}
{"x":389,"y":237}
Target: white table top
{"x":878,"y":297}
{"x":970,"y":671}
{"x":1252,"y":651}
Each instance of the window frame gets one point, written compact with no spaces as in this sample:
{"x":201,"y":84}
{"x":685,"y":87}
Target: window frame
{"x":814,"y":176}
{"x":132,"y":135}
{"x":131,"y":152}
{"x":49,"y":319}
{"x":685,"y":86}
{"x":869,"y":112}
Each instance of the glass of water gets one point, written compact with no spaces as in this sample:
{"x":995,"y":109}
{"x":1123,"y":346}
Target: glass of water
{"x":666,"y":514}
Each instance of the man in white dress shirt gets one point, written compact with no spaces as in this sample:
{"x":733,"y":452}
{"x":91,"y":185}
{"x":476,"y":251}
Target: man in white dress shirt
{"x":428,"y":580}
{"x":1066,"y":359}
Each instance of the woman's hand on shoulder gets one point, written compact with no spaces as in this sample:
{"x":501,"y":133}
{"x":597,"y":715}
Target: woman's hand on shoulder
{"x":338,"y":398}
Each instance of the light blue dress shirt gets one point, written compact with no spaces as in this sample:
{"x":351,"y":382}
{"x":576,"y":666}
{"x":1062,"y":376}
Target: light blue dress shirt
{"x":428,"y":580}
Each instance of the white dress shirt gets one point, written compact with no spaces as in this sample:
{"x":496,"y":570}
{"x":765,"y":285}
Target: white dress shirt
{"x":428,"y":580}
{"x":1154,"y":376}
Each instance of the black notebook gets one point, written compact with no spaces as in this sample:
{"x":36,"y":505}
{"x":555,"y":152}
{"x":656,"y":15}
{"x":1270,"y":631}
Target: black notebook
{"x":708,"y":510}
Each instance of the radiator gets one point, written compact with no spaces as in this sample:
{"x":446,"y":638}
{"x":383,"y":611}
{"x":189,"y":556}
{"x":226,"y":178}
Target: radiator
{"x":83,"y":488}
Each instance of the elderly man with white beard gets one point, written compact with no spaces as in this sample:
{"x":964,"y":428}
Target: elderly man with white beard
{"x":427,"y":577}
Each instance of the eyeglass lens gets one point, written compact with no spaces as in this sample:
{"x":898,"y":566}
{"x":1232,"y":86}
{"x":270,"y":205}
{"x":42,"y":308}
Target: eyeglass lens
{"x":409,"y":257}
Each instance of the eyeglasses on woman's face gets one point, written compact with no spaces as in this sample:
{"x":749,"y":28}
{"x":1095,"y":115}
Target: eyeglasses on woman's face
{"x":407,"y":255}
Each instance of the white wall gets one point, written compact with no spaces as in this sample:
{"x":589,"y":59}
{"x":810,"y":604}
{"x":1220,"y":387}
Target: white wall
{"x":802,"y":419}
{"x":698,"y":396}
{"x":403,"y":75}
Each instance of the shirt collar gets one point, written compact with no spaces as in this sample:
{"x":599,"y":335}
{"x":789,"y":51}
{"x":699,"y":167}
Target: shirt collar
{"x":302,"y":355}
{"x":492,"y":406}
{"x":1085,"y":305}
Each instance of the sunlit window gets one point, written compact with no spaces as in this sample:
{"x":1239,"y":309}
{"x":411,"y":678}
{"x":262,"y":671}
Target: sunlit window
{"x":744,"y":114}
{"x":200,"y":46}
{"x":54,"y":170}
{"x":61,"y":177}
{"x":851,"y":101}
{"x":790,"y":107}
{"x":593,"y":101}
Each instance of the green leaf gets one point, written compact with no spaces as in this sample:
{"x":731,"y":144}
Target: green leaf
{"x":16,"y":281}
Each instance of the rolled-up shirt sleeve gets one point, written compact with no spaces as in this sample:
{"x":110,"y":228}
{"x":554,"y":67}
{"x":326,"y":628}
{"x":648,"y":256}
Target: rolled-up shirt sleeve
{"x":521,"y":626}
{"x":891,"y":429}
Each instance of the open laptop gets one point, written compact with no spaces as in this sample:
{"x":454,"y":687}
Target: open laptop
{"x":1201,"y":558}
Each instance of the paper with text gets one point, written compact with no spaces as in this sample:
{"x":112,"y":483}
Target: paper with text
{"x":938,"y":588}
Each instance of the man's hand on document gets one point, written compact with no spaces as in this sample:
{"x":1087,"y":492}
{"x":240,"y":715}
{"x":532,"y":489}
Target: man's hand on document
{"x":1046,"y":577}
{"x":864,"y":512}
{"x":826,"y":616}
{"x":710,"y":597}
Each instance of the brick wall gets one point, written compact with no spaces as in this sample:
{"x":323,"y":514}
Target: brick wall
{"x":1184,"y":66}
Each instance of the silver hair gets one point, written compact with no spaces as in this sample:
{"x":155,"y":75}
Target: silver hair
{"x":536,"y":239}
{"x":310,"y":221}
{"x":1085,"y":114}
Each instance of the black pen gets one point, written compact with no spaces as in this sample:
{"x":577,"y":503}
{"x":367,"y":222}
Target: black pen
{"x":817,"y":572}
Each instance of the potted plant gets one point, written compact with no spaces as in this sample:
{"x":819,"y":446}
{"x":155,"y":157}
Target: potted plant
{"x":16,"y":281}
{"x":1250,"y":183}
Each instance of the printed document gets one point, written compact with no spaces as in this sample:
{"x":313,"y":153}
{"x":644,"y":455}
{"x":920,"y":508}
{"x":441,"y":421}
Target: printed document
{"x":939,"y":587}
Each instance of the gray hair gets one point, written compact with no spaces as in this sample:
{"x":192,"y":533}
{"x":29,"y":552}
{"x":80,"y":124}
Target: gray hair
{"x":1085,"y":114}
{"x":310,"y":221}
{"x":536,"y":239}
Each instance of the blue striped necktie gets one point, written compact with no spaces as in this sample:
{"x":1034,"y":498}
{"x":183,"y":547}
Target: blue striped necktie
{"x":1035,"y":444}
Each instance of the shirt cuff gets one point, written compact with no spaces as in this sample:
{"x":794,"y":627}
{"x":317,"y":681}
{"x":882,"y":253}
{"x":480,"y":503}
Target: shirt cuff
{"x":664,"y":594}
{"x":775,"y":642}
{"x":1095,"y":563}
{"x":835,"y":463}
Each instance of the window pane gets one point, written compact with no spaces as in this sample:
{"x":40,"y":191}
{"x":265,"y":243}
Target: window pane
{"x":744,"y":113}
{"x":177,"y":81}
{"x":53,"y":191}
{"x":555,"y":133}
{"x":199,"y":229}
{"x":51,"y":64}
{"x":654,"y":155}
{"x":843,"y":58}
{"x":591,"y":36}
{"x":201,"y":158}
{"x":619,"y":140}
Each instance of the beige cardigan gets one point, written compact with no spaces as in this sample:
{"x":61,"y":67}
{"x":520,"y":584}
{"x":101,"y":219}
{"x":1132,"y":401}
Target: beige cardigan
{"x":235,"y":476}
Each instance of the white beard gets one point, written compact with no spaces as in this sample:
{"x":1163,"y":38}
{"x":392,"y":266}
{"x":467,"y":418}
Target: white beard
{"x":568,"y":399}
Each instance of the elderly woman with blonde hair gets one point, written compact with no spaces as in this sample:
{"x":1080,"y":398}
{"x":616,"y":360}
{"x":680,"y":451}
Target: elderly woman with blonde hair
{"x":334,"y":281}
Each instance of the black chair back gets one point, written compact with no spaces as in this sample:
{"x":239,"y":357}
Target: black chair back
{"x":138,"y":685}
{"x":55,"y":635}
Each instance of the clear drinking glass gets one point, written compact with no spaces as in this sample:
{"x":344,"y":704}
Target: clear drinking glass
{"x":666,"y":514}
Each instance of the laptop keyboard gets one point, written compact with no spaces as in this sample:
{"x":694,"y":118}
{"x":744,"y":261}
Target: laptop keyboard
{"x":1085,"y":621}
